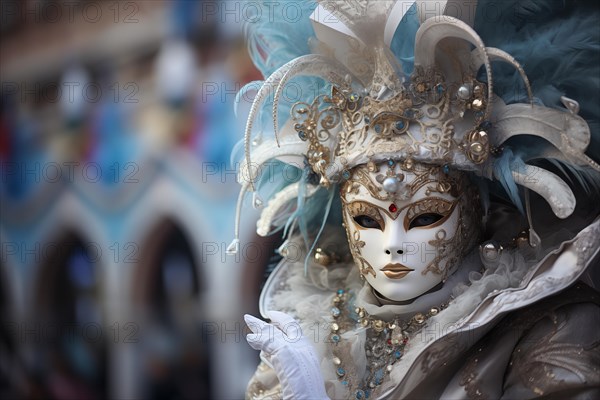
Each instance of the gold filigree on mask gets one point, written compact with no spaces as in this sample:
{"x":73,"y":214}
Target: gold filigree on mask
{"x":355,"y":247}
{"x":446,"y":248}
{"x":361,"y":177}
{"x":455,"y":248}
{"x":424,"y":175}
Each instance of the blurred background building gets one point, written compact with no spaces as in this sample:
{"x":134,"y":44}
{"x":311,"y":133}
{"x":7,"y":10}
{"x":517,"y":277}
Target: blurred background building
{"x":117,"y":201}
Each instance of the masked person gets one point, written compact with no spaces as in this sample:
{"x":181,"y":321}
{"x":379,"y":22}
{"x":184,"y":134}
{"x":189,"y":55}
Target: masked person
{"x":440,"y":219}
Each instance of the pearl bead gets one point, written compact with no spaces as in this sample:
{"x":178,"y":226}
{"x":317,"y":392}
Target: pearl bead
{"x":378,"y":325}
{"x":390,"y":184}
{"x":464,"y":92}
{"x":490,"y":251}
{"x":321,"y":257}
{"x":419,"y":318}
{"x":476,"y":148}
{"x":477,"y":104}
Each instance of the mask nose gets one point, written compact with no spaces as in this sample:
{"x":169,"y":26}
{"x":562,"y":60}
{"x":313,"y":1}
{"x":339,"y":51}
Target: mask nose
{"x":394,"y":250}
{"x":394,"y":241}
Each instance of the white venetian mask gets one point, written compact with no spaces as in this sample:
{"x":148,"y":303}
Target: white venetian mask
{"x":408,"y":225}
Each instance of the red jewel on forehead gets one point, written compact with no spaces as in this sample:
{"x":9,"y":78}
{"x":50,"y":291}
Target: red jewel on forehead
{"x":393,"y":208}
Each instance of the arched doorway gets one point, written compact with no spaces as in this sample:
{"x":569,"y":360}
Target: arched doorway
{"x":68,"y":321}
{"x":175,"y":363}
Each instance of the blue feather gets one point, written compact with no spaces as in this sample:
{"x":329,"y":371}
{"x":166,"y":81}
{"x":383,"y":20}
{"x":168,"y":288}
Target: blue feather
{"x":330,"y":197}
{"x":558,"y":44}
{"x":278,"y":32}
{"x":403,"y":42}
{"x":502,"y":171}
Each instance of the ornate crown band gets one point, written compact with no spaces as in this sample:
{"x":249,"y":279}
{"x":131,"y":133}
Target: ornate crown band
{"x":418,"y":122}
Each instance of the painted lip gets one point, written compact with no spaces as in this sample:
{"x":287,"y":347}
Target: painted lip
{"x":396,"y":271}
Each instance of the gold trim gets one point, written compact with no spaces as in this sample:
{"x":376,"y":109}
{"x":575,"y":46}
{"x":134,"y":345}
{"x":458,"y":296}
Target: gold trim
{"x":429,"y":205}
{"x":358,"y":208}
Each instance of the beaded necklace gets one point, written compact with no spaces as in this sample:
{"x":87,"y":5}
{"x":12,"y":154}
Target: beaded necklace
{"x":384,"y":346}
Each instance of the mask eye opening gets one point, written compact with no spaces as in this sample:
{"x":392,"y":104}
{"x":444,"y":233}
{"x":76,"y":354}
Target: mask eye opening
{"x":366,"y":222}
{"x":426,"y":220}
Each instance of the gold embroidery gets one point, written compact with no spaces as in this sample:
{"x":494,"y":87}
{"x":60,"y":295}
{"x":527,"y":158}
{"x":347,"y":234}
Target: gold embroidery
{"x":470,"y":382}
{"x":536,"y":365}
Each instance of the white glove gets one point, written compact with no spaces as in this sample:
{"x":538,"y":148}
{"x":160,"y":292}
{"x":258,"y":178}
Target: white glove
{"x":291,"y":355}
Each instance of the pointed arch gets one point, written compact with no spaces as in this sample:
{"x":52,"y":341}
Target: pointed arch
{"x":68,"y":317}
{"x":166,"y":239}
{"x":166,"y":294}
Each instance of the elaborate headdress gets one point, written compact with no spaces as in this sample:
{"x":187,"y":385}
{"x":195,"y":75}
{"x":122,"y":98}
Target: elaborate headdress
{"x":374,"y":109}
